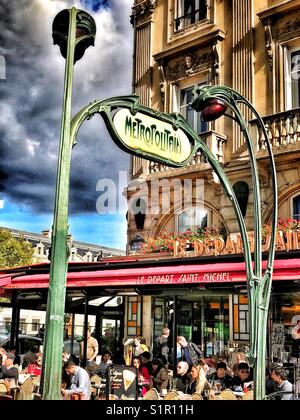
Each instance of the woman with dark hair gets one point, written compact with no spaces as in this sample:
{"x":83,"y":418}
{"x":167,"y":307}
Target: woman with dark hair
{"x":143,"y":374}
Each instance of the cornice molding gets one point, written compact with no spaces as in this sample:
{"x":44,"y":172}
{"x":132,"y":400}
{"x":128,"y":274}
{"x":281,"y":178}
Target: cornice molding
{"x":278,"y":9}
{"x":142,"y":11}
{"x":206,"y":39}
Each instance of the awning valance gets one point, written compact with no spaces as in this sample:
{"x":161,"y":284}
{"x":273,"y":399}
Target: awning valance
{"x":214,"y":273}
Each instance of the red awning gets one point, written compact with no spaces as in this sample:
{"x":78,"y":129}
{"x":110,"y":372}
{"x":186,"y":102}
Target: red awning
{"x":220,"y":272}
{"x":4,"y":280}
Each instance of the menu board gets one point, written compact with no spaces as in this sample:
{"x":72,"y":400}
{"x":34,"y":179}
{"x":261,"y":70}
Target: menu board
{"x":122,"y":383}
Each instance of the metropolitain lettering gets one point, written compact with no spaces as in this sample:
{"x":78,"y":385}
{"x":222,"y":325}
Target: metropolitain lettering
{"x":150,"y":135}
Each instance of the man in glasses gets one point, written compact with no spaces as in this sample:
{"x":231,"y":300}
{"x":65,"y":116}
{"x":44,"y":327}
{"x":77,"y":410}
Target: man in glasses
{"x":243,"y":377}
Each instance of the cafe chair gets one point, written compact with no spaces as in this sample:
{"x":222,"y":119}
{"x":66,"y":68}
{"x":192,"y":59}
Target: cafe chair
{"x":112,"y":397}
{"x":227,"y":394}
{"x":171,"y":395}
{"x":95,"y":385}
{"x":152,"y":394}
{"x":26,"y":390}
{"x":76,"y":396}
{"x":4,"y":387}
{"x":4,"y":397}
{"x":196,"y":396}
{"x":249,"y":396}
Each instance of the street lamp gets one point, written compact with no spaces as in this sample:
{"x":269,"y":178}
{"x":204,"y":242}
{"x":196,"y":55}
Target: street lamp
{"x":74,"y":31}
{"x":213,"y":102}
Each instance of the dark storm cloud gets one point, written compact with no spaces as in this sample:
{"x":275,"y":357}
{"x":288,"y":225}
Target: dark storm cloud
{"x":31,"y":100}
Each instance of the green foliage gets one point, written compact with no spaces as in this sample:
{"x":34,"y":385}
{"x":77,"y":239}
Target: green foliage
{"x":14,"y":252}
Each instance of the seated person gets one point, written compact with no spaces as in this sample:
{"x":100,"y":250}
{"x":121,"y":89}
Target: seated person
{"x":279,"y":376}
{"x":182,"y":379}
{"x":198,"y":382}
{"x":160,"y":375}
{"x":79,"y":381}
{"x":7,"y":369}
{"x":14,"y":351}
{"x":244,"y":375}
{"x":30,"y":357}
{"x":145,"y":361}
{"x":105,"y":363}
{"x":220,"y":377}
{"x":143,"y":374}
{"x":36,"y":368}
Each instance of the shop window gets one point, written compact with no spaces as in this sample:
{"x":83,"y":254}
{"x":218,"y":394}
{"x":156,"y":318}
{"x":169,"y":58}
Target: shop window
{"x":240,"y":317}
{"x":189,"y":12}
{"x":159,"y":317}
{"x":191,"y":219}
{"x":292,"y":77}
{"x":296,"y":207}
{"x":136,"y":243}
{"x":241,"y":190}
{"x":35,"y":326}
{"x":23,"y":325}
{"x":205,"y":321}
{"x":184,"y":99}
{"x":285,"y":327}
{"x":134,"y":316}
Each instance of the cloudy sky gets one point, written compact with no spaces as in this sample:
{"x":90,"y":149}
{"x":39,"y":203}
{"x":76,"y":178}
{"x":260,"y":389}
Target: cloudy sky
{"x":31,"y":90}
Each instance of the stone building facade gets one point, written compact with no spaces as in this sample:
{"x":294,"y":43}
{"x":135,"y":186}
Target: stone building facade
{"x":253,"y":47}
{"x":79,"y":251}
{"x":250,"y":46}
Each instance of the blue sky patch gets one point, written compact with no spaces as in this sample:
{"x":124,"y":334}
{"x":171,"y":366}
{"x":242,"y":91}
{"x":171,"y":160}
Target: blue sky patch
{"x":95,"y":5}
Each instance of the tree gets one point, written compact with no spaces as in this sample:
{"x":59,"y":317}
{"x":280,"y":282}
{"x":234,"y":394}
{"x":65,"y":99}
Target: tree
{"x":14,"y":252}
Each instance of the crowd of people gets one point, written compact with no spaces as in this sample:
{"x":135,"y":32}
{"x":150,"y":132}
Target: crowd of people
{"x":194,"y":373}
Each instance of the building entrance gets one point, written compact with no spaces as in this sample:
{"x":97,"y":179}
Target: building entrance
{"x":204,"y":320}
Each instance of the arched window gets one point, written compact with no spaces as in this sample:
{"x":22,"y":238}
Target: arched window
{"x":241,"y":190}
{"x":191,"y":218}
{"x":296,"y":207}
{"x":140,"y":209}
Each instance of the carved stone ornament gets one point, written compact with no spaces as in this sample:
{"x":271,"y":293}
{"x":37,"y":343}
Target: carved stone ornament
{"x":289,"y":23}
{"x":189,"y":64}
{"x":142,"y":11}
{"x":269,"y":45}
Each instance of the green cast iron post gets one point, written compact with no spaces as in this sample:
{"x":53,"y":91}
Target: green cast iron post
{"x":259,"y":284}
{"x":59,"y":250}
{"x":74,"y":31}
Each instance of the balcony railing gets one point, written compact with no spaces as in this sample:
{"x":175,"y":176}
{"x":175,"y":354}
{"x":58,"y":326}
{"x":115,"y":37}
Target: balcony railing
{"x":283,"y":130}
{"x":215,"y":143}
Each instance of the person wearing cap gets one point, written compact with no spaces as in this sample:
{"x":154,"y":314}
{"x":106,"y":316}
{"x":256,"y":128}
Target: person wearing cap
{"x":220,"y":378}
{"x":7,"y":369}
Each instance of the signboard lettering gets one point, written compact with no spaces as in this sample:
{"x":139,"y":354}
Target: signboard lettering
{"x":152,"y":137}
{"x":186,"y":278}
{"x":233,"y":244}
{"x":122,"y":382}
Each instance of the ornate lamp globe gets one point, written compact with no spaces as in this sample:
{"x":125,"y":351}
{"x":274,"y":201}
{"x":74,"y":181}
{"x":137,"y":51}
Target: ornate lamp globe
{"x":212,"y":109}
{"x":85,"y":32}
